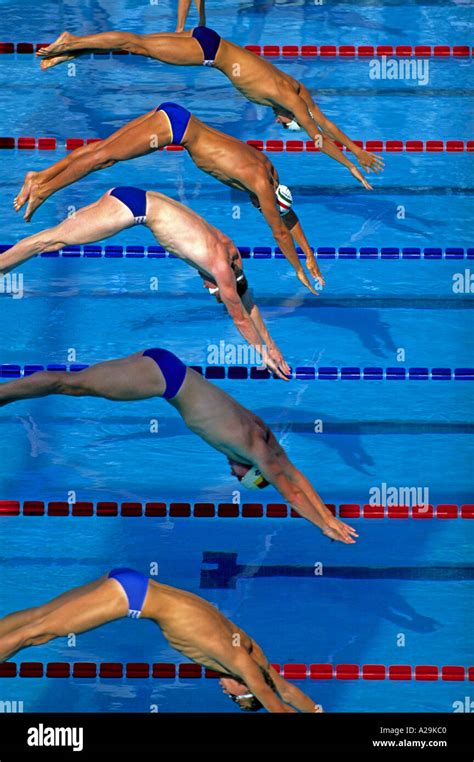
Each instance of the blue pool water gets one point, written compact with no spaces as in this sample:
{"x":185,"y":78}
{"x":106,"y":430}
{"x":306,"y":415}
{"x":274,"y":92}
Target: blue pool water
{"x":371,"y":313}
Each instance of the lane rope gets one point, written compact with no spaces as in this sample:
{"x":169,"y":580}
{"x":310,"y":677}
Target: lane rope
{"x":343,"y":253}
{"x":342,"y":52}
{"x":270,"y":146}
{"x":305,"y":373}
{"x":163,"y":670}
{"x":175,"y":509}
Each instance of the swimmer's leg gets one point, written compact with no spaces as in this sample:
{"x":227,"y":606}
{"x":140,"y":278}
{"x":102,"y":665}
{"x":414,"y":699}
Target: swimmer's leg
{"x":95,"y":222}
{"x":45,"y":176}
{"x":178,"y":48}
{"x":26,"y":616}
{"x":79,"y":610}
{"x":138,"y":138}
{"x":130,"y":378}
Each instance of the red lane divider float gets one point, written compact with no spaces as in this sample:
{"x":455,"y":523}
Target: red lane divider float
{"x":271,"y":146}
{"x":163,"y":509}
{"x":163,"y":670}
{"x":344,"y":52}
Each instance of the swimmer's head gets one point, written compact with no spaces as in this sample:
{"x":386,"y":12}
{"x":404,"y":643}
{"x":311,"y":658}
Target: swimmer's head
{"x":286,"y":119}
{"x":238,"y":692}
{"x":213,"y":290}
{"x":249,"y":476}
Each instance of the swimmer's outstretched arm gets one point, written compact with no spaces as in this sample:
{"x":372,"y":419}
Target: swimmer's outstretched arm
{"x":298,"y":234}
{"x":266,"y":200}
{"x":226,"y":284}
{"x":258,"y":321}
{"x":317,"y":123}
{"x":288,"y":692}
{"x":277,"y":469}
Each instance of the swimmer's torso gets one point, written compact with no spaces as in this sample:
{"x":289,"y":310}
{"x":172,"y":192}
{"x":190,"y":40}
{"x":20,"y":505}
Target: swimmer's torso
{"x":216,"y":417}
{"x":227,"y":159}
{"x":192,"y":625}
{"x":182,"y":232}
{"x":256,"y":78}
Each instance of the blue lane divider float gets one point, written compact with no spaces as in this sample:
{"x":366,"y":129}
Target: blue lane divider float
{"x":305,"y":373}
{"x":263,"y":252}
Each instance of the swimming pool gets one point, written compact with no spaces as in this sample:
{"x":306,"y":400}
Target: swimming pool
{"x":390,"y":259}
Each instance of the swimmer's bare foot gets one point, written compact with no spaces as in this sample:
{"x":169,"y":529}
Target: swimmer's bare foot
{"x":48,"y":63}
{"x":36,"y":198}
{"x":24,"y":193}
{"x":59,"y":46}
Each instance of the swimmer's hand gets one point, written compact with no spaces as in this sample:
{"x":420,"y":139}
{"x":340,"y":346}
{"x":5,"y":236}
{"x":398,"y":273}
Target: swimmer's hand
{"x":303,"y":278}
{"x":278,"y":358}
{"x":371,"y":162}
{"x":273,"y":360}
{"x":336,"y":529}
{"x":313,"y":268}
{"x":359,"y":176}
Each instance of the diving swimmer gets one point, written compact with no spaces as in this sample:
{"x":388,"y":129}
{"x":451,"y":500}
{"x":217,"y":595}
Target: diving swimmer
{"x":182,"y":232}
{"x":257,"y":79}
{"x":255,"y":456}
{"x":190,"y":624}
{"x":228,"y":159}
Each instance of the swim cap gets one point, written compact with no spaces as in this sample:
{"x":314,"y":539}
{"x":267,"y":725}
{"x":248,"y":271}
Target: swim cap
{"x":293,"y":126}
{"x":284,"y":199}
{"x":254,"y":479}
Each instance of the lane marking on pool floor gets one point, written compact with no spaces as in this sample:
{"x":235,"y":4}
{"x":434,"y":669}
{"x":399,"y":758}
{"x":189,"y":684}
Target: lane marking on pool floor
{"x":145,"y":670}
{"x":176,"y":509}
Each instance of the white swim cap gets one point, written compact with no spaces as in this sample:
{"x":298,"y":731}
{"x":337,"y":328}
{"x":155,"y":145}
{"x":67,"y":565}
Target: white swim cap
{"x":284,"y":199}
{"x":293,"y":126}
{"x":254,"y":479}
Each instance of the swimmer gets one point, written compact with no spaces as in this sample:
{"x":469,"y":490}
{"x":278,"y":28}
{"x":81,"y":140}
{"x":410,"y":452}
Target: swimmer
{"x":227,"y":159}
{"x":183,"y":12}
{"x":254,"y":454}
{"x":182,"y":232}
{"x":257,"y":79}
{"x":190,"y":624}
